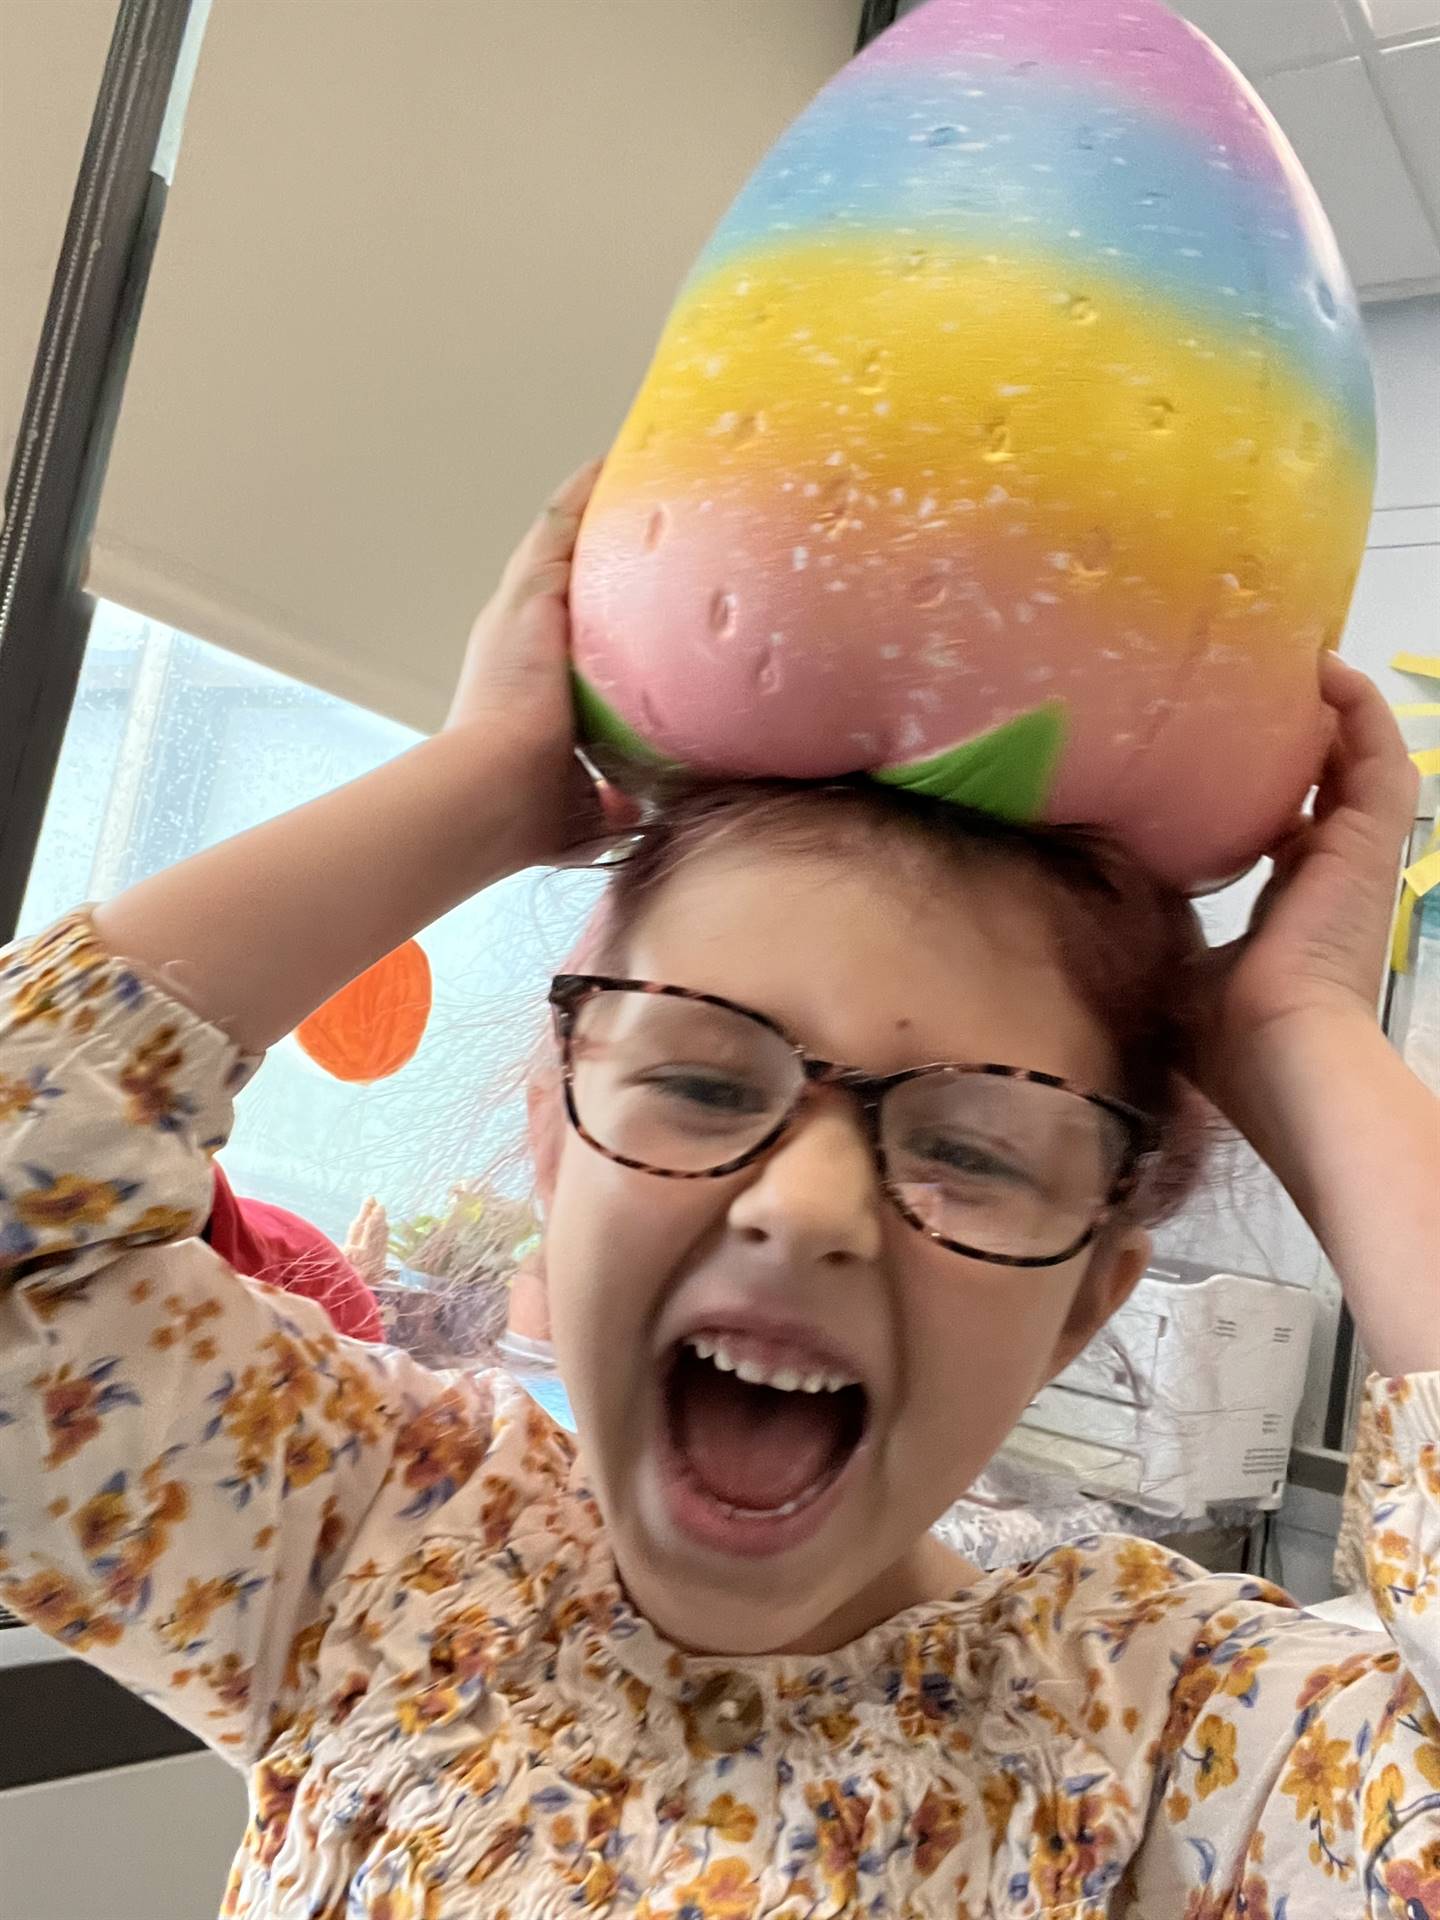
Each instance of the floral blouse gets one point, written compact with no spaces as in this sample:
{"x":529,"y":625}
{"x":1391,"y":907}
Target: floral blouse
{"x":387,"y":1594}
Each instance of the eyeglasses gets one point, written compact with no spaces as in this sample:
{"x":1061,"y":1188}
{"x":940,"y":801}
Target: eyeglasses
{"x":997,"y":1162}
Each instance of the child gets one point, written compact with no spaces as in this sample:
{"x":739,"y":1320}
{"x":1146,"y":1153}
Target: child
{"x":715,"y":1663}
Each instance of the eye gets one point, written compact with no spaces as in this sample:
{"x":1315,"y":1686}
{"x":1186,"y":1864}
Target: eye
{"x":969,"y":1158}
{"x":708,"y":1091}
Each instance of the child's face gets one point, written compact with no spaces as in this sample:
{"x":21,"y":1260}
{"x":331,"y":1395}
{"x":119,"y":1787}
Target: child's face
{"x":880,"y":973}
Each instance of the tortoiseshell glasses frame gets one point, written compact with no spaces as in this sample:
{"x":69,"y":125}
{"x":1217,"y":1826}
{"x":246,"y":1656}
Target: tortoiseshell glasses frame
{"x":570,"y":993}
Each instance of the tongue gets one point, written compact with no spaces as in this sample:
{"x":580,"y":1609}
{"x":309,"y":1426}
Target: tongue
{"x":752,"y":1447}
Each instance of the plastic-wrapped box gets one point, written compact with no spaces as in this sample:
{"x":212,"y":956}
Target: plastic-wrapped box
{"x":1186,"y":1398}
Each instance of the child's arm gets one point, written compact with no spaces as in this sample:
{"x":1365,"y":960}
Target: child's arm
{"x":1298,"y":1060}
{"x":254,"y":934}
{"x":1355,"y":1137}
{"x":189,"y":1465}
{"x":1299,"y":1759}
{"x":192,"y":1469}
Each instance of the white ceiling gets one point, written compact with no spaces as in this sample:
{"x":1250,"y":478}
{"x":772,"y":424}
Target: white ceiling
{"x":1356,"y":85}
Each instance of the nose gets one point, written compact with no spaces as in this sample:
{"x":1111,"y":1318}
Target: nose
{"x":815,"y":1198}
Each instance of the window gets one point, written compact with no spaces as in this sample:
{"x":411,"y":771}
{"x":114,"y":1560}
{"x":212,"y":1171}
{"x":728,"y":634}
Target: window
{"x":173,"y":745}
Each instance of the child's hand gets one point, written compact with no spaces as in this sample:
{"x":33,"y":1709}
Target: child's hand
{"x":256,"y":933}
{"x":1295,"y":1055}
{"x":514,"y":688}
{"x":1318,"y":937}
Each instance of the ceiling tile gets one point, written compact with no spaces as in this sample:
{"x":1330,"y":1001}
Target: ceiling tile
{"x":1390,"y":18}
{"x":1335,"y":123}
{"x":1261,"y":35}
{"x":1410,"y":79}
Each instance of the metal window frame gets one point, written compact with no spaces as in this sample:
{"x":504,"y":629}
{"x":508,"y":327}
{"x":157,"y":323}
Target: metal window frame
{"x":54,"y":480}
{"x":69,"y":418}
{"x":875,"y":16}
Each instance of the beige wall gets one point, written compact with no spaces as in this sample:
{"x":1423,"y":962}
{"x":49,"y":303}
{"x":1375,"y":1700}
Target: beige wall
{"x":52,"y":55}
{"x":414,"y":260}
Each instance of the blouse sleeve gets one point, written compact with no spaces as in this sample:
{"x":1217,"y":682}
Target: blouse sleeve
{"x":1298,"y":1773}
{"x":188,"y":1462}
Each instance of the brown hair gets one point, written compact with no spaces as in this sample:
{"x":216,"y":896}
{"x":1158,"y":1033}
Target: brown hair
{"x":1127,"y":940}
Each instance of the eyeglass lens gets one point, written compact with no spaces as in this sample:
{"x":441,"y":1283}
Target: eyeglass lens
{"x":1008,"y":1167}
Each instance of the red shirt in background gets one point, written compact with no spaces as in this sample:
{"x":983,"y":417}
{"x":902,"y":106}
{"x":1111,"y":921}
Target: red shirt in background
{"x":267,"y":1243}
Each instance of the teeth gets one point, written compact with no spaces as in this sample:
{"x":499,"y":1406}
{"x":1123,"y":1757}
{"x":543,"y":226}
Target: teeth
{"x":769,"y":1513}
{"x":783,"y":1380}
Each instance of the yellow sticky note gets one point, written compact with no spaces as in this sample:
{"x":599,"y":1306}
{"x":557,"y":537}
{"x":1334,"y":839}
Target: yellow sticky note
{"x":1417,"y":710}
{"x":1427,"y":760}
{"x":1425,"y":664}
{"x":1400,"y":938}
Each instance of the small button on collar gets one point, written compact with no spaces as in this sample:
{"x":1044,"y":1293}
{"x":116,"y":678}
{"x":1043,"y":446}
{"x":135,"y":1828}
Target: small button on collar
{"x":726,"y":1712}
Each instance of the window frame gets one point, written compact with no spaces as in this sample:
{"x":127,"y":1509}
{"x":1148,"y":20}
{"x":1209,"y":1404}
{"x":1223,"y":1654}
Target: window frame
{"x":68,"y":421}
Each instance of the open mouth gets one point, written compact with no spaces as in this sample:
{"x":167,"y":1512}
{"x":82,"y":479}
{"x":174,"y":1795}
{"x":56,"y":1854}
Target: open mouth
{"x":756,"y":1440}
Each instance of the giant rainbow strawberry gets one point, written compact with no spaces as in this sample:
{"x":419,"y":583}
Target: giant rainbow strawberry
{"x":1011,"y":440}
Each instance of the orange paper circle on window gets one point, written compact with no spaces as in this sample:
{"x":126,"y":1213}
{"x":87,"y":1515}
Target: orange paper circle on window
{"x":371,"y":1027}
